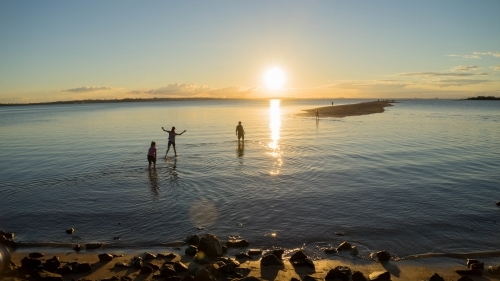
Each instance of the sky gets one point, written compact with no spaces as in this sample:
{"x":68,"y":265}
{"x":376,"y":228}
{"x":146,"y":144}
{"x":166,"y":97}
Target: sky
{"x":72,"y":50}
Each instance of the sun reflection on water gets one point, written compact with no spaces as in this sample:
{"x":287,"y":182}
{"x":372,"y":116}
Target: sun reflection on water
{"x":273,"y":146}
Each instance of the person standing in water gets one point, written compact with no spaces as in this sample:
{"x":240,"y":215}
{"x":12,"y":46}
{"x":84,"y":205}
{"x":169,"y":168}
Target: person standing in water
{"x":152,"y":154}
{"x":317,"y":114}
{"x":171,"y":139}
{"x":240,"y":132}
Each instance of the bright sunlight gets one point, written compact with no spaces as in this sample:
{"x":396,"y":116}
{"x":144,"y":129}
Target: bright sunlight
{"x":274,"y":78}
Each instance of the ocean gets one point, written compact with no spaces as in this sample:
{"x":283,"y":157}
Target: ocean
{"x":420,"y":179}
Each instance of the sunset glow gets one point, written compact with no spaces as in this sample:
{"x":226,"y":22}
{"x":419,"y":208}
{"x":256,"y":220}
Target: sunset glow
{"x":274,"y":79}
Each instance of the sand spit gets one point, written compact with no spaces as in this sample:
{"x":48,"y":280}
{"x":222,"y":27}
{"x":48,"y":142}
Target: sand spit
{"x":356,"y":109}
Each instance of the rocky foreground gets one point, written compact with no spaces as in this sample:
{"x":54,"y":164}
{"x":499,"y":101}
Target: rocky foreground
{"x":206,"y":259}
{"x":356,"y":109}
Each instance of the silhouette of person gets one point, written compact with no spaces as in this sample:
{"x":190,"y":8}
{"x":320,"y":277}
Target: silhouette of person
{"x":171,"y":139}
{"x":317,"y":114}
{"x":240,"y":132}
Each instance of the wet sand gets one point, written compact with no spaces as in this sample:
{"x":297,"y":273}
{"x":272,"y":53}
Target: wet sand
{"x":401,"y":270}
{"x":356,"y":109}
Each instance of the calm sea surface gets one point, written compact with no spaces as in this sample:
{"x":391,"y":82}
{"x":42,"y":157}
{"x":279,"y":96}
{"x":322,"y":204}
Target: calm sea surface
{"x":421,"y":178}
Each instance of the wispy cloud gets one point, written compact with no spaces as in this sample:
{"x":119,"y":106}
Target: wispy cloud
{"x":496,"y":67}
{"x":495,"y":54}
{"x":85,"y":89}
{"x":465,"y":68}
{"x":193,"y":90}
{"x":465,"y":56}
{"x":459,"y":82}
{"x":429,"y":74}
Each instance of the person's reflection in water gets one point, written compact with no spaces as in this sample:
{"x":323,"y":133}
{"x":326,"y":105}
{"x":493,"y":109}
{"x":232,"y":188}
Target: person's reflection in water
{"x":317,"y":124}
{"x":241,"y":149}
{"x":174,"y":177}
{"x":153,"y":182}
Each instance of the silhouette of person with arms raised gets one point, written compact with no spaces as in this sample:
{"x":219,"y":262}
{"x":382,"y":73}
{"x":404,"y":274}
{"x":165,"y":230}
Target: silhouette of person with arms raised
{"x":240,"y":132}
{"x":171,"y":139}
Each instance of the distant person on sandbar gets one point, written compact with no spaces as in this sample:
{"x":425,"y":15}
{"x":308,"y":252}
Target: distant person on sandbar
{"x":240,"y":132}
{"x":152,"y":154}
{"x":171,"y":139}
{"x":317,"y":114}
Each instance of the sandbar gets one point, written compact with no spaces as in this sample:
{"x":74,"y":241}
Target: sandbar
{"x":344,"y":110}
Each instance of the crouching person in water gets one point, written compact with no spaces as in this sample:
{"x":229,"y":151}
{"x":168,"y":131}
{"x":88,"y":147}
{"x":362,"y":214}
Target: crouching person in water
{"x":171,"y":139}
{"x":152,"y":154}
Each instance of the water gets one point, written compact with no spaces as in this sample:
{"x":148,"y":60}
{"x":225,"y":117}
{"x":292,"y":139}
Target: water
{"x":421,"y":178}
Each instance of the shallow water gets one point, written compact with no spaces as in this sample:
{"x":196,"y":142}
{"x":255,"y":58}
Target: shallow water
{"x":420,"y":178}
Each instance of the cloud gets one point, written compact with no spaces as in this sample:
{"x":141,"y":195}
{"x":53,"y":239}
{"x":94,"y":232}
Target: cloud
{"x":459,"y":82}
{"x":85,"y":89}
{"x":496,"y":67}
{"x":495,"y":54}
{"x":465,"y":68}
{"x":193,"y":90}
{"x":465,"y":56}
{"x":427,"y":74}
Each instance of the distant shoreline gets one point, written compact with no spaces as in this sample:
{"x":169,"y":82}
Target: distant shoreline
{"x":109,"y":101}
{"x":345,"y":110}
{"x":483,"y":98}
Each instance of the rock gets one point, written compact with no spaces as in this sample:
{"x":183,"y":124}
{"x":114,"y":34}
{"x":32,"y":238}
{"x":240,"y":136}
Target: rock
{"x":469,"y":272}
{"x":210,"y":245}
{"x":65,"y":269}
{"x":27,"y":263}
{"x":137,"y":262}
{"x":498,"y":203}
{"x":465,"y":278}
{"x":309,"y":278}
{"x":167,"y":270}
{"x":380,"y":276}
{"x":174,"y":278}
{"x":48,"y":276}
{"x":153,"y":266}
{"x":242,"y":255}
{"x":201,"y":258}
{"x":78,"y":247}
{"x":358,"y":276}
{"x":344,"y":246}
{"x":214,"y":270}
{"x":191,"y":250}
{"x":117,"y":256}
{"x":436,"y":277}
{"x":339,"y":272}
{"x":303,"y":262}
{"x":237,"y":243}
{"x":203,"y":275}
{"x":339,"y":233}
{"x":278,"y":253}
{"x":224,"y":249}
{"x":270,"y":260}
{"x":494,"y":269}
{"x":188,"y":278}
{"x":90,"y":246}
{"x":383,"y":256}
{"x":116,"y":238}
{"x":52,"y":264}
{"x":7,"y":241}
{"x":36,"y":255}
{"x":250,"y":278}
{"x":180,"y":267}
{"x":298,"y":256}
{"x":471,"y":261}
{"x":478,"y":266}
{"x":169,"y":255}
{"x":229,"y":261}
{"x":330,"y":250}
{"x":255,"y":252}
{"x":227,"y":268}
{"x":8,"y":235}
{"x":149,"y":256}
{"x":122,"y":264}
{"x":81,"y":267}
{"x":105,"y":257}
{"x":304,"y":279}
{"x":70,"y":230}
{"x":193,"y":239}
{"x":146,"y":269}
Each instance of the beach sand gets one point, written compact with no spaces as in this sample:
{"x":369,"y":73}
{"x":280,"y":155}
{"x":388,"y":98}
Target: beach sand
{"x":401,"y":270}
{"x":356,"y":109}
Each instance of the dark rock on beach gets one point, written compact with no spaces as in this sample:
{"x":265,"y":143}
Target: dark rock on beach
{"x":137,"y":262}
{"x":339,"y":272}
{"x":154,"y":266}
{"x":169,"y":255}
{"x":478,"y":266}
{"x":146,"y":269}
{"x":494,"y":269}
{"x":70,"y":230}
{"x":105,"y":257}
{"x":36,"y":255}
{"x":44,"y":275}
{"x":210,"y":245}
{"x":270,"y":260}
{"x":203,"y":275}
{"x":28,"y":263}
{"x":344,"y":246}
{"x":465,"y":278}
{"x":303,"y":262}
{"x":78,"y":247}
{"x":193,"y":239}
{"x":242,"y":255}
{"x":7,"y":235}
{"x":191,"y":250}
{"x":91,"y":246}
{"x":65,"y":269}
{"x":81,"y":267}
{"x":330,"y":250}
{"x":52,"y":264}
{"x":298,"y":256}
{"x":254,"y":252}
{"x":436,"y":277}
{"x":278,"y":253}
{"x":310,"y":278}
{"x":237,"y":243}
{"x":149,"y":256}
{"x":122,"y":264}
{"x":180,"y":267}
{"x":358,"y":276}
{"x":380,"y":276}
{"x":498,"y":203}
{"x":167,"y":270}
{"x":383,"y":256}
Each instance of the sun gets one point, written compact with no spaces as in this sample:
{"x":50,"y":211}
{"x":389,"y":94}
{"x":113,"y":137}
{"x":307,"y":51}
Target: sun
{"x":274,"y":78}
